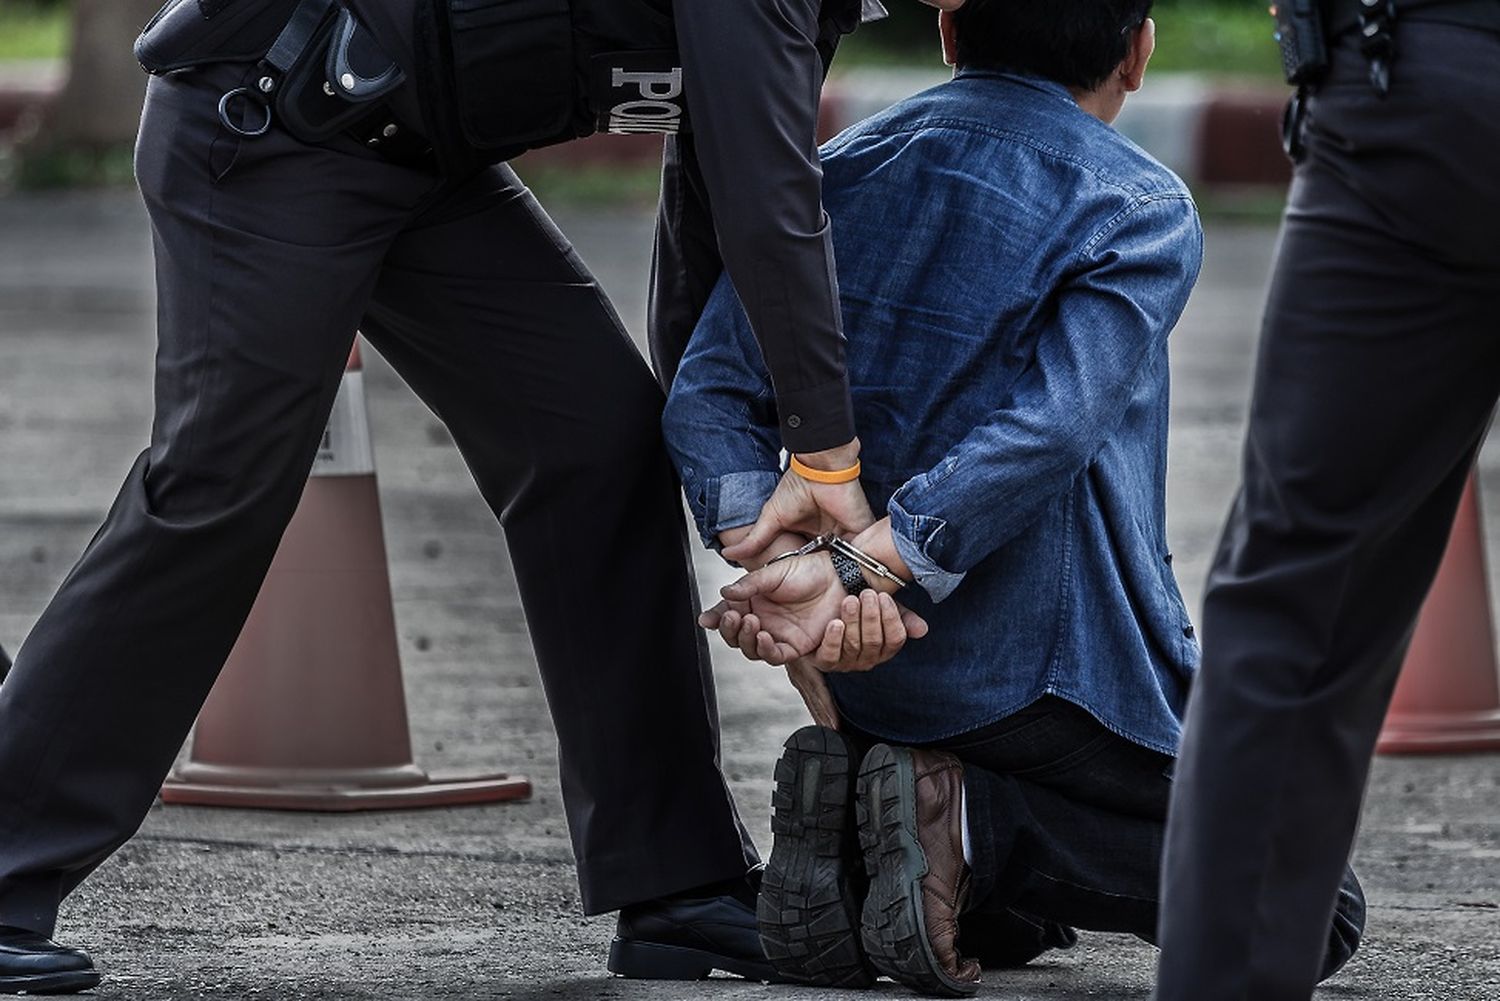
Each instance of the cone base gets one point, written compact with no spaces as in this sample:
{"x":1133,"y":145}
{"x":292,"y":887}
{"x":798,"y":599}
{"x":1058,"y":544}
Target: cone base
{"x":349,"y":797}
{"x":1440,"y":733}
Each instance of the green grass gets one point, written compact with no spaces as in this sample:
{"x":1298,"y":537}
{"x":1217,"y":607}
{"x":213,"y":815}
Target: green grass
{"x":1219,"y":38}
{"x":33,"y":32}
{"x":106,"y":168}
{"x":1225,"y":37}
{"x":588,"y":184}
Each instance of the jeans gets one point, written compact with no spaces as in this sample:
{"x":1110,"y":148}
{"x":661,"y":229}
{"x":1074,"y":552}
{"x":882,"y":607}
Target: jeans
{"x":1066,"y":822}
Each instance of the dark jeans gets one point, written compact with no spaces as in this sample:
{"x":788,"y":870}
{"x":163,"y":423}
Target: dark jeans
{"x":1065,"y":818}
{"x":1379,"y":368}
{"x":270,"y":253}
{"x":1066,"y":823}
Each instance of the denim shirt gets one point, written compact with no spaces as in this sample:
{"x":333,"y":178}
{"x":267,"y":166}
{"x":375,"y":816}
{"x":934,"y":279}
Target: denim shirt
{"x":1009,"y":267}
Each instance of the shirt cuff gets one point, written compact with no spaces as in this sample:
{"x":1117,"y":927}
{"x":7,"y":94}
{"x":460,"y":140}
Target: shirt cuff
{"x":816,"y":419}
{"x":914,"y":535}
{"x":734,"y":500}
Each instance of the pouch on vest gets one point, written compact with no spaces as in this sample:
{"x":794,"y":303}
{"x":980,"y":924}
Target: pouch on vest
{"x":188,"y":33}
{"x":335,"y":86}
{"x":513,"y":69}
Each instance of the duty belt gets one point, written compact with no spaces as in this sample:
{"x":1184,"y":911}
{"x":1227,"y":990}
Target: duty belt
{"x":1344,"y":15}
{"x":1375,"y":21}
{"x":321,"y":76}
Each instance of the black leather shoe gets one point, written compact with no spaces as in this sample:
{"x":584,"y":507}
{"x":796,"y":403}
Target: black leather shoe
{"x":32,"y":964}
{"x":813,"y":886}
{"x":687,"y":937}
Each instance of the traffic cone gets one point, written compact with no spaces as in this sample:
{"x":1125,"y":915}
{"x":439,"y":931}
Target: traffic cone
{"x":309,"y":712}
{"x":1448,"y":696}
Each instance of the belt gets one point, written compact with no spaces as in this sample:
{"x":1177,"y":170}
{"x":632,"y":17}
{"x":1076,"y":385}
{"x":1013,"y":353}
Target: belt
{"x":1343,"y":15}
{"x":323,"y":80}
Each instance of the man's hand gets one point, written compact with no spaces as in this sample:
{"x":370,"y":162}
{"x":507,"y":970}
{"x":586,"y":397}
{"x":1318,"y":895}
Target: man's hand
{"x":780,"y":612}
{"x":803,"y":507}
{"x":797,"y":608}
{"x":869,"y":631}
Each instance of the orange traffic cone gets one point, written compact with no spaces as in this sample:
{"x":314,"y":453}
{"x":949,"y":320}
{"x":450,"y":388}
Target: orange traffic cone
{"x":309,"y":712}
{"x":1448,"y":697}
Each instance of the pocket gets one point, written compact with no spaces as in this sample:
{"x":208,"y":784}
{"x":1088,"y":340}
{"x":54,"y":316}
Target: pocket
{"x":513,"y":74}
{"x":223,"y":154}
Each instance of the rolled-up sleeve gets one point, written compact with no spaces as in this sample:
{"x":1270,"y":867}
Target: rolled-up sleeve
{"x":1107,"y":333}
{"x":754,"y":77}
{"x":720,"y":422}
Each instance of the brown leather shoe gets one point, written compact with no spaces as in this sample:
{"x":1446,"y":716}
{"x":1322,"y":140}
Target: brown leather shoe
{"x":910,"y":806}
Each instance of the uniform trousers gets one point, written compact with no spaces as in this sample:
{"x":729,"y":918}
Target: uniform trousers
{"x":1378,"y":371}
{"x":270,"y":254}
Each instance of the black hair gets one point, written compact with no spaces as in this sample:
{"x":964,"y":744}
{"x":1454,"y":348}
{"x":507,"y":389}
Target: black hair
{"x":1077,"y":43}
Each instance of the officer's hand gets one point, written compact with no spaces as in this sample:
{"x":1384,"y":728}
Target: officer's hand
{"x":786,"y":542}
{"x":803,"y":507}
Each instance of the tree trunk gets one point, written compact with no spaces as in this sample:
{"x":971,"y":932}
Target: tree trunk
{"x":99,"y":108}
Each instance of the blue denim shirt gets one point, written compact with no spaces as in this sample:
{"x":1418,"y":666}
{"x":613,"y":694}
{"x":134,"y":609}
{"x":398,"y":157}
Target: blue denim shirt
{"x":1010,"y":267}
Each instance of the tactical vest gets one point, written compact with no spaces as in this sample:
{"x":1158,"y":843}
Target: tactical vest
{"x":531,"y":73}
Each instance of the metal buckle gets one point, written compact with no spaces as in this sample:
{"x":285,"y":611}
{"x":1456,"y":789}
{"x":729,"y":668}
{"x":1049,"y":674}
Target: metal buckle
{"x":251,"y":97}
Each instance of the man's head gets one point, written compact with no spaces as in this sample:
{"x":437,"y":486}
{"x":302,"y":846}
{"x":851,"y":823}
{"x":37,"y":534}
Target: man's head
{"x":1098,"y":49}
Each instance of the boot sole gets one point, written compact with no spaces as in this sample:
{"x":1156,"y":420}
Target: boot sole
{"x":651,"y":961}
{"x":894,"y":922}
{"x":51,"y":983}
{"x":808,"y":910}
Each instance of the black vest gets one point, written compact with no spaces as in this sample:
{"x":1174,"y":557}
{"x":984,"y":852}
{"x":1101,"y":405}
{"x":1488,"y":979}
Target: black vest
{"x":515,"y":75}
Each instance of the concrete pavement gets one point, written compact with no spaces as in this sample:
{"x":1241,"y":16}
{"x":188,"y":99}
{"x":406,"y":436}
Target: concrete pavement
{"x":480,"y":902}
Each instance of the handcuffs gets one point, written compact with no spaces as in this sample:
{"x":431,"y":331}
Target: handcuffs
{"x":848,"y":562}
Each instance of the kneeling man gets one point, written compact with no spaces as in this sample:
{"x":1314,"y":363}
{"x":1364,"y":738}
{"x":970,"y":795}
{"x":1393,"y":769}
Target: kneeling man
{"x":1010,"y":269}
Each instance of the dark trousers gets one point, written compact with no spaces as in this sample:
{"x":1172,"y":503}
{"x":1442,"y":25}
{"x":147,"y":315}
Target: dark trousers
{"x":1379,"y":367}
{"x":1066,"y":824}
{"x":270,"y":254}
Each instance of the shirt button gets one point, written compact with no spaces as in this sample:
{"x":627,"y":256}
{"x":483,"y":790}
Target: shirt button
{"x":1188,"y":631}
{"x":794,"y":422}
{"x":1168,"y":558}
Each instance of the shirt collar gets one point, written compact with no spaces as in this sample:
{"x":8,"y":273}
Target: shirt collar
{"x":1042,"y":84}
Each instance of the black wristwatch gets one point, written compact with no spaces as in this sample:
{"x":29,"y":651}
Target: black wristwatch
{"x":850,"y":574}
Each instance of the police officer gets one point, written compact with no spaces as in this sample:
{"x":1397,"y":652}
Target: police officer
{"x":308,"y":173}
{"x":1379,"y":368}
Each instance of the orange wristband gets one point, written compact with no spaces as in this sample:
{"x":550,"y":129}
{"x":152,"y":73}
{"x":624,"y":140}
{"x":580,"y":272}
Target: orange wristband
{"x":807,"y":472}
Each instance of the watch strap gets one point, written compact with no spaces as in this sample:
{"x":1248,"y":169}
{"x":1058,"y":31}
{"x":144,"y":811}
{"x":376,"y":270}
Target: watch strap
{"x":850,"y":574}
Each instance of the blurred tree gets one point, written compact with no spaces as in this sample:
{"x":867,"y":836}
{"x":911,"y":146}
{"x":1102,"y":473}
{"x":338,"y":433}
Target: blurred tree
{"x":85,"y":135}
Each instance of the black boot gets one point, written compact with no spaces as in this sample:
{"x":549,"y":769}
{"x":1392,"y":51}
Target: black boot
{"x":814,"y":885}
